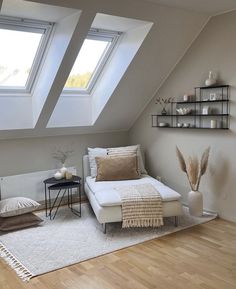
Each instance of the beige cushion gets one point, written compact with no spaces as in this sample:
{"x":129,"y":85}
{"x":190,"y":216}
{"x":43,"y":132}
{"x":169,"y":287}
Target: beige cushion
{"x":118,"y":168}
{"x":95,"y":152}
{"x":19,"y":222}
{"x":17,"y":206}
{"x":128,"y":151}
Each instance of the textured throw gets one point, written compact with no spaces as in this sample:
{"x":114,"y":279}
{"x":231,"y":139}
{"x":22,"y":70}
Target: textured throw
{"x":141,"y":206}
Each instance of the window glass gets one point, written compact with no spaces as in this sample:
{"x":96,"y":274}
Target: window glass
{"x":86,"y":63}
{"x":91,"y":59}
{"x":17,"y":54}
{"x":23,"y":43}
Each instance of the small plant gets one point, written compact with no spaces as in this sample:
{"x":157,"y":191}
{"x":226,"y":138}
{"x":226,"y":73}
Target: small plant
{"x":193,"y":168}
{"x":163,"y":103}
{"x":62,"y":156}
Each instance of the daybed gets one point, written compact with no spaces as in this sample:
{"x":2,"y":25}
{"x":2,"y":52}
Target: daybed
{"x":106,"y":202}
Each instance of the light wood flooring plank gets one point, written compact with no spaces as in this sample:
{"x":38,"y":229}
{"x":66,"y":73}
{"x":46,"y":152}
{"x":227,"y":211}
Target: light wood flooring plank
{"x":202,"y":257}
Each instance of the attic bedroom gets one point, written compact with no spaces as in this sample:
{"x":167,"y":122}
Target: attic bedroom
{"x":117,"y":140}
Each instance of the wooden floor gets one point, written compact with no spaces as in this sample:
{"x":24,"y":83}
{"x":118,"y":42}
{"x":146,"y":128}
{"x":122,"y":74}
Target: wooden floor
{"x":201,"y":257}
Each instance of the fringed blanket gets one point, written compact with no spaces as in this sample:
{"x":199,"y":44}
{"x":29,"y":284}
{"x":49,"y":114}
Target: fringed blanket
{"x":141,"y":206}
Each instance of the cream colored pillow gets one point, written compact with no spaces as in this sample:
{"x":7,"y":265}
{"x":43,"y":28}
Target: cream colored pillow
{"x":127,"y":151}
{"x":17,"y":206}
{"x":116,"y":169}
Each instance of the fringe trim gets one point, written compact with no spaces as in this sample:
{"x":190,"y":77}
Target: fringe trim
{"x":20,"y":269}
{"x":157,"y":222}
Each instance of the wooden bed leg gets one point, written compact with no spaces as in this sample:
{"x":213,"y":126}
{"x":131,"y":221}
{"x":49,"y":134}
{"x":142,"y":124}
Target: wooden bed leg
{"x":104,"y":228}
{"x":176,"y":221}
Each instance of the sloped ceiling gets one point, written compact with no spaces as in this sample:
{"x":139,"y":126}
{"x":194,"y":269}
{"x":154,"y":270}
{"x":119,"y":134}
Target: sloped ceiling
{"x":211,"y":7}
{"x":172,"y":33}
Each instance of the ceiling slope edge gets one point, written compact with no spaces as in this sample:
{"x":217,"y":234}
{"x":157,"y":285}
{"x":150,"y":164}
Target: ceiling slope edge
{"x":165,"y":79}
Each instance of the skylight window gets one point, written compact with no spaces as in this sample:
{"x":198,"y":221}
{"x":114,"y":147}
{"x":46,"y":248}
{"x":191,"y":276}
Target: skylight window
{"x":90,"y":61}
{"x":22,"y":46}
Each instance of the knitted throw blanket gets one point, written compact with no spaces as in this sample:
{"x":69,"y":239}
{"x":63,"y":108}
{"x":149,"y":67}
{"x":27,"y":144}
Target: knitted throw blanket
{"x":141,"y":206}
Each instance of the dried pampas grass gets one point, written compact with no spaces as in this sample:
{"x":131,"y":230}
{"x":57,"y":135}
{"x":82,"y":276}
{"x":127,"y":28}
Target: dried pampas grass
{"x":181,"y":160}
{"x":193,"y":169}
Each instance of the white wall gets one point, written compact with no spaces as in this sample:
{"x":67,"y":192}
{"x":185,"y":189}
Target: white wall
{"x":26,"y":155}
{"x":214,"y":49}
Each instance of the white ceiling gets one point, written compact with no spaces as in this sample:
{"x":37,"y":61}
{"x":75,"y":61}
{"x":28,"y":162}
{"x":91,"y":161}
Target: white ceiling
{"x":33,"y":10}
{"x":211,"y":7}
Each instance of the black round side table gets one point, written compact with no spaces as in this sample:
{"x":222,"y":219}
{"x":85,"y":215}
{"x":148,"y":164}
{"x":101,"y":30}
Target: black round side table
{"x":62,"y":187}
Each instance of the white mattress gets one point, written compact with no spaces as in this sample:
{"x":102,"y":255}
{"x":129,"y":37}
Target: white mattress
{"x":106,"y":194}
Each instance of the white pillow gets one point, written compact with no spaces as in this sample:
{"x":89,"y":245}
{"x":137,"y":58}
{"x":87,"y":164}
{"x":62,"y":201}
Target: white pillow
{"x":17,"y":206}
{"x":93,"y":153}
{"x":127,"y":151}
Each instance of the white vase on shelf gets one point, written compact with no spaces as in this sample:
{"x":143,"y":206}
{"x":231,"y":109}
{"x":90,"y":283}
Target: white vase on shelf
{"x":195,"y":203}
{"x":210,"y":81}
{"x":63,"y":170}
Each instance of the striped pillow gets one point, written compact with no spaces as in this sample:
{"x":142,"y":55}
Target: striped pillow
{"x":93,"y":153}
{"x":128,"y":151}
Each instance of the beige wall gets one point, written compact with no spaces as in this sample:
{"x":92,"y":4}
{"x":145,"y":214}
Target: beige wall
{"x":20,"y":156}
{"x":214,"y":49}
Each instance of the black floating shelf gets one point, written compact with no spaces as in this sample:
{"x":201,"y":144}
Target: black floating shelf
{"x":201,"y":101}
{"x":195,"y":117}
{"x":212,"y":87}
{"x":224,"y":128}
{"x":188,"y":115}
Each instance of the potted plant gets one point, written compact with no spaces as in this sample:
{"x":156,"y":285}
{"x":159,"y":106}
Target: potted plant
{"x":194,"y":171}
{"x":163,"y":103}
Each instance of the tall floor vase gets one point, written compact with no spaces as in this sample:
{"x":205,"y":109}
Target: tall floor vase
{"x":195,"y":203}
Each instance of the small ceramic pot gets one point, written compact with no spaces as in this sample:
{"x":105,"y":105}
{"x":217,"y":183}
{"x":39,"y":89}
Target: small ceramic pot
{"x":58,"y":175}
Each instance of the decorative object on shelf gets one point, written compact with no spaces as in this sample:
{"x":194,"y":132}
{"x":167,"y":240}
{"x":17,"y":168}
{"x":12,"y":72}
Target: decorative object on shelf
{"x":194,"y":171}
{"x":163,"y":124}
{"x":205,"y":110}
{"x":164,"y":102}
{"x":179,"y":124}
{"x":184,"y":110}
{"x":213,"y":96}
{"x":213,"y":123}
{"x":58,"y":175}
{"x":186,"y":97}
{"x":211,"y":80}
{"x":186,"y":125}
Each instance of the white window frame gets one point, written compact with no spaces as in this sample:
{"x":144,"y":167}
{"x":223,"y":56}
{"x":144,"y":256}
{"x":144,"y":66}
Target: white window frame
{"x":99,"y":34}
{"x":27,"y":25}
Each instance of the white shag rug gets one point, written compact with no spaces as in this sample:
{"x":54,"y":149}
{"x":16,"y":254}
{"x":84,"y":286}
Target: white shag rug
{"x":68,"y":239}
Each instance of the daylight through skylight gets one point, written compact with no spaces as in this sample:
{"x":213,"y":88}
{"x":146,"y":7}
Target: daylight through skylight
{"x":90,"y":61}
{"x":86,"y":62}
{"x":17,"y":53}
{"x":23,"y":43}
